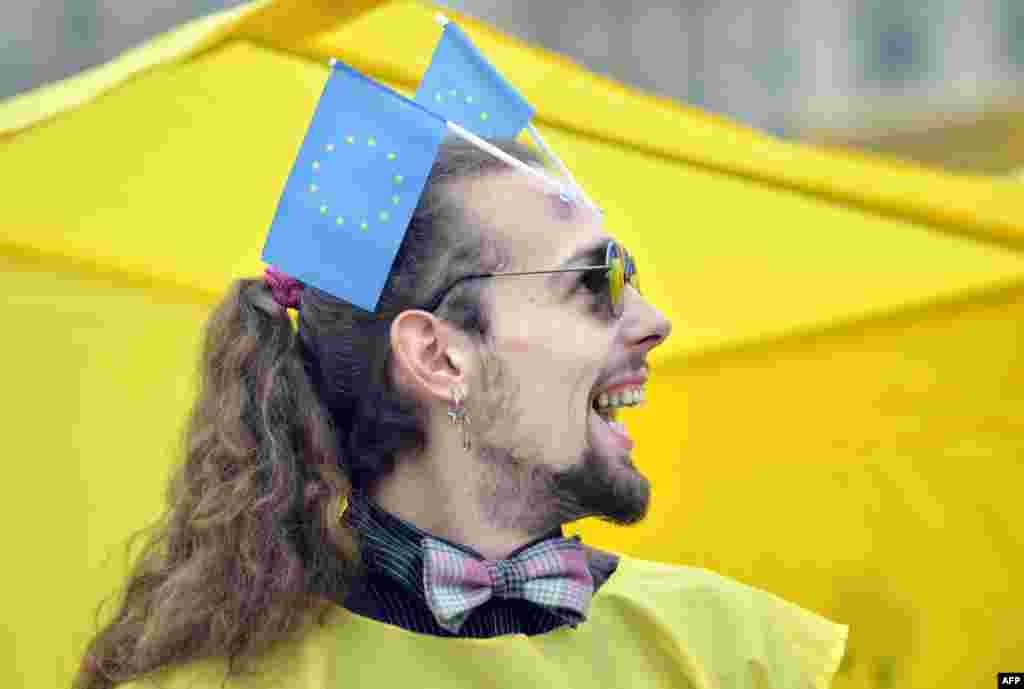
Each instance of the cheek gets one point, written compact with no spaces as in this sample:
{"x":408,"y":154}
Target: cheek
{"x":518,"y":344}
{"x":520,"y":335}
{"x":552,"y":336}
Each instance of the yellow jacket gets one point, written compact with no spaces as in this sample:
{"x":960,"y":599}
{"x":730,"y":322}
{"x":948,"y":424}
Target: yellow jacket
{"x":652,"y":625}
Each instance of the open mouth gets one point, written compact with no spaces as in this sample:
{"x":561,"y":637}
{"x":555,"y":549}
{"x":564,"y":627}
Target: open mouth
{"x":606,"y":407}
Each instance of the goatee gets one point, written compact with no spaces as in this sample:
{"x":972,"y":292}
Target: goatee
{"x":592,"y":488}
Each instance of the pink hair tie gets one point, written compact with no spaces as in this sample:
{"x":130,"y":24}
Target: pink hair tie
{"x":286,"y":289}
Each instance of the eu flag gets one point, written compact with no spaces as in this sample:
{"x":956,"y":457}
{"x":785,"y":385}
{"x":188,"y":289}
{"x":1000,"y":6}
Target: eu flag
{"x":354,"y":186}
{"x":462,"y":86}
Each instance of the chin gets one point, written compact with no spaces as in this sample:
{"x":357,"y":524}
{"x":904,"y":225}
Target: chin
{"x":597,"y":487}
{"x":633,"y":508}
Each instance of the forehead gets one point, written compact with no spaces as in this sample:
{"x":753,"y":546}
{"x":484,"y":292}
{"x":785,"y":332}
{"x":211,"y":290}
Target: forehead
{"x":538,"y":227}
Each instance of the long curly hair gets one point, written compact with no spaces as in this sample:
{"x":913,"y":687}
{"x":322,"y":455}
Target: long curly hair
{"x":286,"y":422}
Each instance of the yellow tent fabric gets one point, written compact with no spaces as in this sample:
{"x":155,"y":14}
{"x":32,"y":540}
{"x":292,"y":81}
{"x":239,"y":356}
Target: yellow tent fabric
{"x":832,"y":420}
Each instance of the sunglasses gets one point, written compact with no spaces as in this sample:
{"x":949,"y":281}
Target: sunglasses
{"x":618,"y":270}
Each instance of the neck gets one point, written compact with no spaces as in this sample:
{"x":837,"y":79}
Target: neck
{"x":451,"y":499}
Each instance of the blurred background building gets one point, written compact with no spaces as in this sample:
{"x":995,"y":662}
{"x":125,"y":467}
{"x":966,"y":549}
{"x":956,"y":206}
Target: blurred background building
{"x":938,"y":81}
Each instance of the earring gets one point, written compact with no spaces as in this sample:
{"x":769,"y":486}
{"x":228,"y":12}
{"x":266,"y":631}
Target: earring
{"x":342,"y":506}
{"x":457,"y":417}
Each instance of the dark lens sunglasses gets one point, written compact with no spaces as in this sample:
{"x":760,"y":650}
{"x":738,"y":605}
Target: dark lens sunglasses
{"x":618,"y":264}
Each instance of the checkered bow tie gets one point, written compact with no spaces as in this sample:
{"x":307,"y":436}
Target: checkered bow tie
{"x":552,"y":573}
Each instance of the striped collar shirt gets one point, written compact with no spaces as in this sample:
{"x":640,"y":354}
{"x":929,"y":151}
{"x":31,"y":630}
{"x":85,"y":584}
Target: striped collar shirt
{"x":391,"y":590}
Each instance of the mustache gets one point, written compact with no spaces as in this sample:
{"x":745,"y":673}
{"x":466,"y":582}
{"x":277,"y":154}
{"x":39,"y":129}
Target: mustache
{"x":633,"y":361}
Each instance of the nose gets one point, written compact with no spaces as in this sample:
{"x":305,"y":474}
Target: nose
{"x":645,"y":326}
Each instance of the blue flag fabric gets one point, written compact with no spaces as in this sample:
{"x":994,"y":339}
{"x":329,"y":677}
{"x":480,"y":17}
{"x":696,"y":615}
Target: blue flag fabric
{"x":354,"y":186}
{"x":462,"y":86}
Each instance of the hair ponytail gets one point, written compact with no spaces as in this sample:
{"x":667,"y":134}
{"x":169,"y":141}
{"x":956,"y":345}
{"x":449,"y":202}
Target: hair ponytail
{"x":251,"y":538}
{"x":284,"y":425}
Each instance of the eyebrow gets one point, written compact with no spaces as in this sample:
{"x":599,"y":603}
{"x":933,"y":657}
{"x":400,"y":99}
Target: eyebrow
{"x":591,"y":254}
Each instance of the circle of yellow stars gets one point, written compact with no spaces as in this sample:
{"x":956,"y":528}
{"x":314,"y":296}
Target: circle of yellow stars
{"x":383,"y":215}
{"x":442,"y":96}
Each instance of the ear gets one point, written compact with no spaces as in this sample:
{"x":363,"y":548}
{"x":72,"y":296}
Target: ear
{"x":427,"y":355}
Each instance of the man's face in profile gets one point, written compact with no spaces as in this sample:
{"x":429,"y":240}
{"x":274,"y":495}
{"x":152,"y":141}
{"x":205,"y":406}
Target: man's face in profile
{"x":557,"y":346}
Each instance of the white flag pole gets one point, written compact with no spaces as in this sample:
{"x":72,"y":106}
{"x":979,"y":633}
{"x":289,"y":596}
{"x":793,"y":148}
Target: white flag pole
{"x":561,"y":166}
{"x":515,"y":162}
{"x":498,"y":153}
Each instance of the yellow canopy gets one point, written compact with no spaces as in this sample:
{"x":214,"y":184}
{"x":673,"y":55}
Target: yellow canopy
{"x":841,"y":395}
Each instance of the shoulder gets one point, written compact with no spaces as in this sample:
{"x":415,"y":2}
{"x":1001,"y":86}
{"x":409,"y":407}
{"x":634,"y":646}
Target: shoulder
{"x":751,"y":637}
{"x":302,"y":661}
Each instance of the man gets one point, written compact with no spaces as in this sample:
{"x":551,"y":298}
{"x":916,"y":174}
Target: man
{"x":541,"y":454}
{"x":473,"y":415}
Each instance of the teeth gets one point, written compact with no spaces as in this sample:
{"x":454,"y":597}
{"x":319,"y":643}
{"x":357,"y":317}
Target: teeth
{"x":621,"y":398}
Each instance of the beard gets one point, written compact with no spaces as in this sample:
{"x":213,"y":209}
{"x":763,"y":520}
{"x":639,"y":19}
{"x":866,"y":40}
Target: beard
{"x":519,"y":490}
{"x":591,"y":488}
